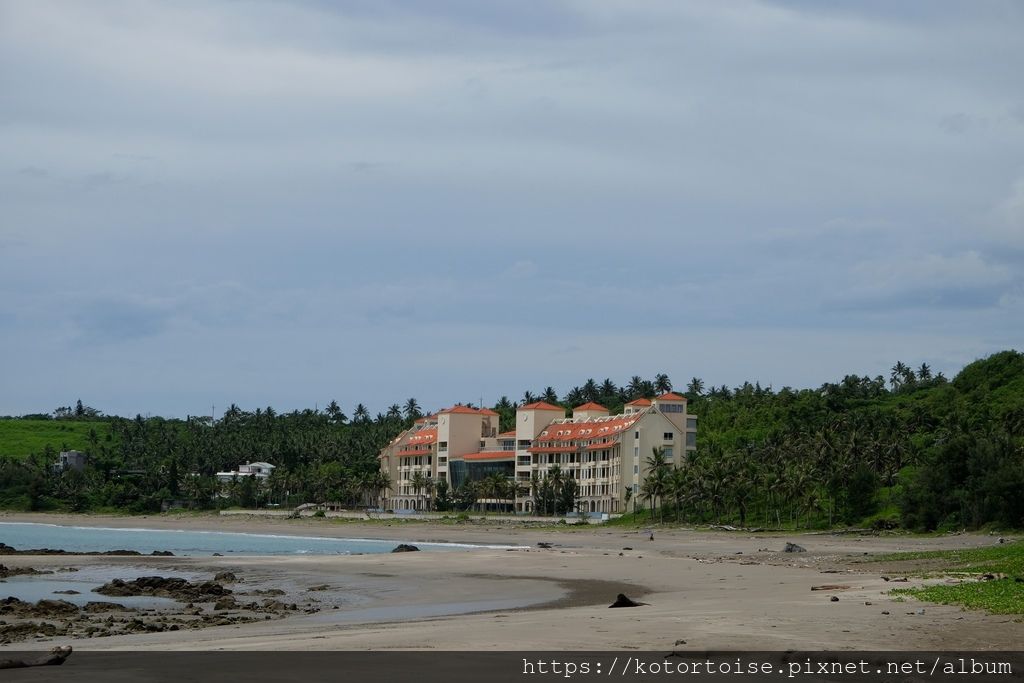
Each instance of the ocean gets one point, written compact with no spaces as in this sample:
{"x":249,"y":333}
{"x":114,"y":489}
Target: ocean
{"x":197,"y":543}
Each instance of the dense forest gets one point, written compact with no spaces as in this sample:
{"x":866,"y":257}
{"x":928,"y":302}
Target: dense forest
{"x":913,"y":449}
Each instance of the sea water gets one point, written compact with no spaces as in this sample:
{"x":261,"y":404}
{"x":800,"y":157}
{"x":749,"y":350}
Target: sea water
{"x":197,"y":543}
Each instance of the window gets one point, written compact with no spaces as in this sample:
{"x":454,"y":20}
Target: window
{"x":442,"y":445}
{"x":636,"y":435}
{"x":691,"y":423}
{"x":667,"y":452}
{"x":636,"y":469}
{"x":668,"y":436}
{"x":691,"y":438}
{"x":524,"y":443}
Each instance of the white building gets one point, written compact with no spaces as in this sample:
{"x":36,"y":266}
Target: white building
{"x":260,"y":470}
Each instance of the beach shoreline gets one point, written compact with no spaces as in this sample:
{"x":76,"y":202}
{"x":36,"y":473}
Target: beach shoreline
{"x":705,"y":590}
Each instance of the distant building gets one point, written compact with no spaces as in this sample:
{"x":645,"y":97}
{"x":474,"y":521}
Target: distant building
{"x":70,"y":460}
{"x":605,"y":454}
{"x":260,"y":470}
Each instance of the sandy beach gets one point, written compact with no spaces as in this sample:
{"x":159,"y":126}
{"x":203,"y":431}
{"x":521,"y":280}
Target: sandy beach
{"x":704,"y":589}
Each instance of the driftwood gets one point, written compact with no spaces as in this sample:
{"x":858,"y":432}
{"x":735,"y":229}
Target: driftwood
{"x":55,"y":657}
{"x":622,"y":601}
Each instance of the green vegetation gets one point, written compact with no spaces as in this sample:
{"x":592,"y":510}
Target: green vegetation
{"x":1005,"y":558}
{"x":21,"y":438}
{"x":922,"y":452}
{"x":1002,"y":594}
{"x":916,"y":450}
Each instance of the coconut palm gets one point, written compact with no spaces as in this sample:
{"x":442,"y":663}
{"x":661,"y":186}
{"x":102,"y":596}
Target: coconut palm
{"x":417,"y":482}
{"x":412,"y":410}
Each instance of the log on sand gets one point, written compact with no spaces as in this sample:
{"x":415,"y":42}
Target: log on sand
{"x":55,"y":657}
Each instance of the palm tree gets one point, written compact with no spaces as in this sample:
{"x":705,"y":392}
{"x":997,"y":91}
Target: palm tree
{"x":334,"y":412}
{"x":556,"y":480}
{"x":361,"y":414}
{"x":695,"y":387}
{"x":528,"y":397}
{"x":417,"y":482}
{"x":635,"y":388}
{"x":924,"y":373}
{"x":428,"y":487}
{"x":549,"y":395}
{"x":412,"y":409}
{"x":662,"y":384}
{"x":574,"y":397}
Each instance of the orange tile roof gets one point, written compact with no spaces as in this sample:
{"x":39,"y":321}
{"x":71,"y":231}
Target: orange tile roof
{"x":541,"y":405}
{"x":590,"y":405}
{"x":640,"y":402}
{"x":587,"y":431}
{"x":490,"y":455}
{"x":507,"y":435}
{"x":423,"y":436}
{"x":486,"y":411}
{"x":669,"y":396}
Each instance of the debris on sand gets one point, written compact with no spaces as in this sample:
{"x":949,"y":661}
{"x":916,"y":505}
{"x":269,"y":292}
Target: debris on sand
{"x":794,"y":548}
{"x":830,"y":587}
{"x":54,"y":657}
{"x":622,"y":601}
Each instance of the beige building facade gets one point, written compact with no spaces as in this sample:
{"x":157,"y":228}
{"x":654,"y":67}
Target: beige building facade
{"x":605,"y":454}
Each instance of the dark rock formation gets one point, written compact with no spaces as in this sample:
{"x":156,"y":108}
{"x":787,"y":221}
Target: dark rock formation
{"x":622,"y":601}
{"x":170,"y":587}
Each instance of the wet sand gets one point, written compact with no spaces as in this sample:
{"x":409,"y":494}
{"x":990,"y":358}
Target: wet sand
{"x":713,"y":590}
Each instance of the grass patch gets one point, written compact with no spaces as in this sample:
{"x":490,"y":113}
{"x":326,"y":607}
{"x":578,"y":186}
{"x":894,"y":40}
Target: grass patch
{"x":21,"y":438}
{"x":1004,"y":596}
{"x":999,"y":596}
{"x":1005,"y":558}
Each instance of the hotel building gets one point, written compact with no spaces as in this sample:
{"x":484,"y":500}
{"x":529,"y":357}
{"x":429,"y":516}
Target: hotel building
{"x":605,"y":454}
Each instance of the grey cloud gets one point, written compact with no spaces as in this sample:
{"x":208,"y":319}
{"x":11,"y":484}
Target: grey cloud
{"x":325,"y":182}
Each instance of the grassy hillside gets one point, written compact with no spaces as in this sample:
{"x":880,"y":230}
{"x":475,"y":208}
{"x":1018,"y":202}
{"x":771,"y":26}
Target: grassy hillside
{"x":20,"y":438}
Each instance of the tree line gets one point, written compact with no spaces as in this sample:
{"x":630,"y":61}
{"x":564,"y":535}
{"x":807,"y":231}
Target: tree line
{"x":913,"y":449}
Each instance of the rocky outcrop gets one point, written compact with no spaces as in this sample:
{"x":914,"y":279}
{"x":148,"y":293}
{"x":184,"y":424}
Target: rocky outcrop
{"x":405,"y":548}
{"x":6,"y":572}
{"x":161,"y":587}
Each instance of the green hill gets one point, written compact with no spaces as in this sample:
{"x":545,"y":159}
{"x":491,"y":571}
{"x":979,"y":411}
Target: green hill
{"x":20,"y":438}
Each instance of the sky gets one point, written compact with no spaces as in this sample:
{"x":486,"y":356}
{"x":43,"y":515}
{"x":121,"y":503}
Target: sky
{"x":287,"y":202}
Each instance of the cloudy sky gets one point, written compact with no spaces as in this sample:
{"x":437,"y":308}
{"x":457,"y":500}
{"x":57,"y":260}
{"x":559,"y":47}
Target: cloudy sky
{"x":280,"y":203}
